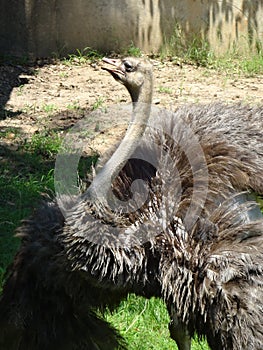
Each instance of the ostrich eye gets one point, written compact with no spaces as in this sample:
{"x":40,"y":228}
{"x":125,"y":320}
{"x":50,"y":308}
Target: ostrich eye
{"x":128,"y":66}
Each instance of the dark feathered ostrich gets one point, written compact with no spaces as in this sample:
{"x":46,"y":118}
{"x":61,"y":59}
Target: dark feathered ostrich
{"x":65,"y":269}
{"x":178,"y":262}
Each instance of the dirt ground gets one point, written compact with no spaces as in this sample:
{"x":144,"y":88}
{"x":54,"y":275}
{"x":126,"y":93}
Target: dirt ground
{"x":57,"y":95}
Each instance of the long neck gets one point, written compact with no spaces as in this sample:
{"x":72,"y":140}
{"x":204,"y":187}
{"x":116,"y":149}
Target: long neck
{"x":100,"y":188}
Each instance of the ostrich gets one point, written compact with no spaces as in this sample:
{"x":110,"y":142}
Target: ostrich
{"x":68,"y":267}
{"x":178,"y":264}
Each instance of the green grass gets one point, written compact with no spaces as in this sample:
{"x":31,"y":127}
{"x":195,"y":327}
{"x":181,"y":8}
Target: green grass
{"x":231,"y":63}
{"x":165,"y":90}
{"x":83,"y":56}
{"x":23,"y":177}
{"x":197,"y":51}
{"x":49,"y":108}
{"x":132,"y":50}
{"x":98,"y":103}
{"x":45,"y":143}
{"x":8,"y":132}
{"x":144,"y":324}
{"x":74,"y":106}
{"x":25,"y":174}
{"x":194,"y":51}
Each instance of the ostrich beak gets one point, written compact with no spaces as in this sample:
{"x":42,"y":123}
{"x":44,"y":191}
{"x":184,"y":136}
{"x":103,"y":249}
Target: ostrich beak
{"x":113,"y":62}
{"x":116,"y":71}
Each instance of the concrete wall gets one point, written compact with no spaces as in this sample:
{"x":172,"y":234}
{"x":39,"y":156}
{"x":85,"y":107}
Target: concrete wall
{"x":39,"y":28}
{"x":224,"y":24}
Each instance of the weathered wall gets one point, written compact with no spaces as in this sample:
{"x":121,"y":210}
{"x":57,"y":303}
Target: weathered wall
{"x":224,"y":24}
{"x":43,"y":27}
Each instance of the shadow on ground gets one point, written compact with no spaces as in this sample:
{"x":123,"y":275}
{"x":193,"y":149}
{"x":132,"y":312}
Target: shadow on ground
{"x":11,"y":75}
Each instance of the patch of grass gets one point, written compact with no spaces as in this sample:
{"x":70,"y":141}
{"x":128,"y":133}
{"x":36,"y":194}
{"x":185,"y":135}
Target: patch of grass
{"x":132,"y":50}
{"x":24,"y":175}
{"x":197,"y":51}
{"x":252,"y":66}
{"x":9,"y":132}
{"x":20,"y":90}
{"x":144,"y":324}
{"x":74,"y":106}
{"x":83,"y":56}
{"x":45,"y":143}
{"x":97,"y":104}
{"x":63,"y":75}
{"x":232,"y":63}
{"x":30,"y":108}
{"x":165,"y":90}
{"x":49,"y":108}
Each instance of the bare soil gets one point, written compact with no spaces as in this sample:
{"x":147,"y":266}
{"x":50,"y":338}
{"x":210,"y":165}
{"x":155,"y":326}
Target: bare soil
{"x":56,"y":96}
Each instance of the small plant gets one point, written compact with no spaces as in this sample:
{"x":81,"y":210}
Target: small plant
{"x":181,"y":89}
{"x":63,"y":75}
{"x":83,"y":56}
{"x":74,"y":106}
{"x":20,"y":90}
{"x":132,"y":51}
{"x":165,"y":90}
{"x":30,"y":108}
{"x":92,"y":54}
{"x":97,"y":104}
{"x":9,"y":132}
{"x":190,"y":50}
{"x":199,"y":52}
{"x":44,"y":143}
{"x":252,"y":66}
{"x":49,"y":108}
{"x":173,"y":46}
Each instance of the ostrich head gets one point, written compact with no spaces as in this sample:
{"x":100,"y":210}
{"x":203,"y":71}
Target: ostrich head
{"x":135,"y":74}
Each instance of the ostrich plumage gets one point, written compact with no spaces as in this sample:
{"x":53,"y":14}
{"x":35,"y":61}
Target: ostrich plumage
{"x":207,"y":271}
